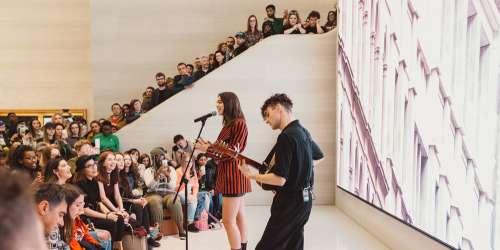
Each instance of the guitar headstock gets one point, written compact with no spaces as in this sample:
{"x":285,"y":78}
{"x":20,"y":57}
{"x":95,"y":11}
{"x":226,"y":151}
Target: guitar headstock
{"x":221,"y":149}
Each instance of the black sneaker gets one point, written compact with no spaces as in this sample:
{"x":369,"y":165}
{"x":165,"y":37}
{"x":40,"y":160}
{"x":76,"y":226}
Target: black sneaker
{"x":182,"y":236}
{"x":192,"y":228}
{"x":153,"y":243}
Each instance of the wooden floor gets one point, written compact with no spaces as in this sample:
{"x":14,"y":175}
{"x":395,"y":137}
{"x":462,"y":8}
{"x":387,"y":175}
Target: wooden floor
{"x":328,"y":229}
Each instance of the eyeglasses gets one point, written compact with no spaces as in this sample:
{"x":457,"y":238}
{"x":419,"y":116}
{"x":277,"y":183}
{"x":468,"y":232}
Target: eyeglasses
{"x":32,"y":158}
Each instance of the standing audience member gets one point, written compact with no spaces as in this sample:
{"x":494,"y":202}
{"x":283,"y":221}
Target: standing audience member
{"x":275,"y":24}
{"x":4,"y":137}
{"x":161,"y":93}
{"x":230,"y":42}
{"x":312,"y":24}
{"x":197,"y":64}
{"x":192,"y":186}
{"x":190,"y":69}
{"x":204,"y":70}
{"x":147,"y":99}
{"x":117,"y":118}
{"x":241,"y":40}
{"x":331,"y":21}
{"x":294,"y":25}
{"x":11,"y":124}
{"x":19,"y":219}
{"x":57,"y":118}
{"x":211,"y":61}
{"x":219,"y":58}
{"x":253,"y":34}
{"x":135,"y":112}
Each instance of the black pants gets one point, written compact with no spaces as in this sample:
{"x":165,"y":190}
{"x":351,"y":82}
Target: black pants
{"x":115,"y":228}
{"x":141,"y":214}
{"x":285,"y":228}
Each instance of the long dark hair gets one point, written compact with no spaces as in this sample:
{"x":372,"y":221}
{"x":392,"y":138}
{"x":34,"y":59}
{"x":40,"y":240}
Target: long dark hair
{"x":103,"y":174}
{"x":232,"y":107}
{"x":52,"y":165}
{"x":79,"y":129}
{"x":331,"y":22}
{"x":249,"y":28}
{"x":71,"y":193}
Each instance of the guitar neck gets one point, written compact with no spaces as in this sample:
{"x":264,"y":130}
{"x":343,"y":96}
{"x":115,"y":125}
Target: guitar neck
{"x":251,"y":162}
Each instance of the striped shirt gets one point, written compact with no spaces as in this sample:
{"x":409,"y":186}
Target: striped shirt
{"x":230,"y":181}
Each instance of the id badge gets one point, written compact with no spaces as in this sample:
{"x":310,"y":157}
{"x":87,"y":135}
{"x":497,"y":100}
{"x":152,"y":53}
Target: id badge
{"x":306,"y":195}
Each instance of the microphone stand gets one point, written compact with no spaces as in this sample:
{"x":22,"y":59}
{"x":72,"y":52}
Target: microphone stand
{"x":185,"y":181}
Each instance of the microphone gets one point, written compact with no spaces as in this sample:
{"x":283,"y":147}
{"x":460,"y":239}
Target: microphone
{"x":205,"y":117}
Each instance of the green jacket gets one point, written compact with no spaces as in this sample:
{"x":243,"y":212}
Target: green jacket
{"x":110,"y":142}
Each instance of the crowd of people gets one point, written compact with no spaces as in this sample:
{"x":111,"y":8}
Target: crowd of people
{"x":187,"y":74}
{"x":88,"y":192}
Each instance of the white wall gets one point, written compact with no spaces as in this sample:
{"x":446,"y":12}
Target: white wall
{"x":303,"y":66}
{"x":45,"y":54}
{"x":132,"y":40}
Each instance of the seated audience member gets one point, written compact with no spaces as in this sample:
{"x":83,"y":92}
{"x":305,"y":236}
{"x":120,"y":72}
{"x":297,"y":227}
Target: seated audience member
{"x":181,"y":146}
{"x":57,"y":171}
{"x":94,"y":210}
{"x":192,"y":199}
{"x":147,"y":99}
{"x":74,"y":134}
{"x":161,"y":93}
{"x":107,"y":181}
{"x":64,"y":147}
{"x":24,"y":160}
{"x":161,"y":189}
{"x":75,"y":232}
{"x":331,"y":21}
{"x":36,"y":130}
{"x":143,"y":163}
{"x":275,"y":24}
{"x":82,"y":147}
{"x":51,"y":206}
{"x":211,"y":61}
{"x":19,"y":220}
{"x":133,"y":202}
{"x":312,"y":24}
{"x":49,"y":131}
{"x":253,"y":35}
{"x":135,"y":111}
{"x":241,"y":40}
{"x":95,"y":128}
{"x":219,"y":58}
{"x":117,"y":118}
{"x":204,"y":70}
{"x":135,"y":153}
{"x":45,"y":154}
{"x":230,"y":42}
{"x":206,"y":180}
{"x":294,"y":25}
{"x":197,"y":64}
{"x":107,"y":140}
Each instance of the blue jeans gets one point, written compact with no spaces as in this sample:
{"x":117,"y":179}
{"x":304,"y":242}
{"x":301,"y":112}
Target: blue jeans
{"x":191,"y":207}
{"x":204,"y":199}
{"x":106,"y":244}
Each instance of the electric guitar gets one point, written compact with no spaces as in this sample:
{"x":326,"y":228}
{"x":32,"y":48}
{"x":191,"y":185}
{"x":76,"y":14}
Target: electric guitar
{"x":222,"y":150}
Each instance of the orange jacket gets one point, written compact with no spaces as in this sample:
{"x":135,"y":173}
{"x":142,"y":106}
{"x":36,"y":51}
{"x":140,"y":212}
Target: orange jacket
{"x":79,"y":232}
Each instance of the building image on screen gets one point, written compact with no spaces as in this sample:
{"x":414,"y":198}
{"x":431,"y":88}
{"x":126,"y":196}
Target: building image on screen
{"x":418,"y":114}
